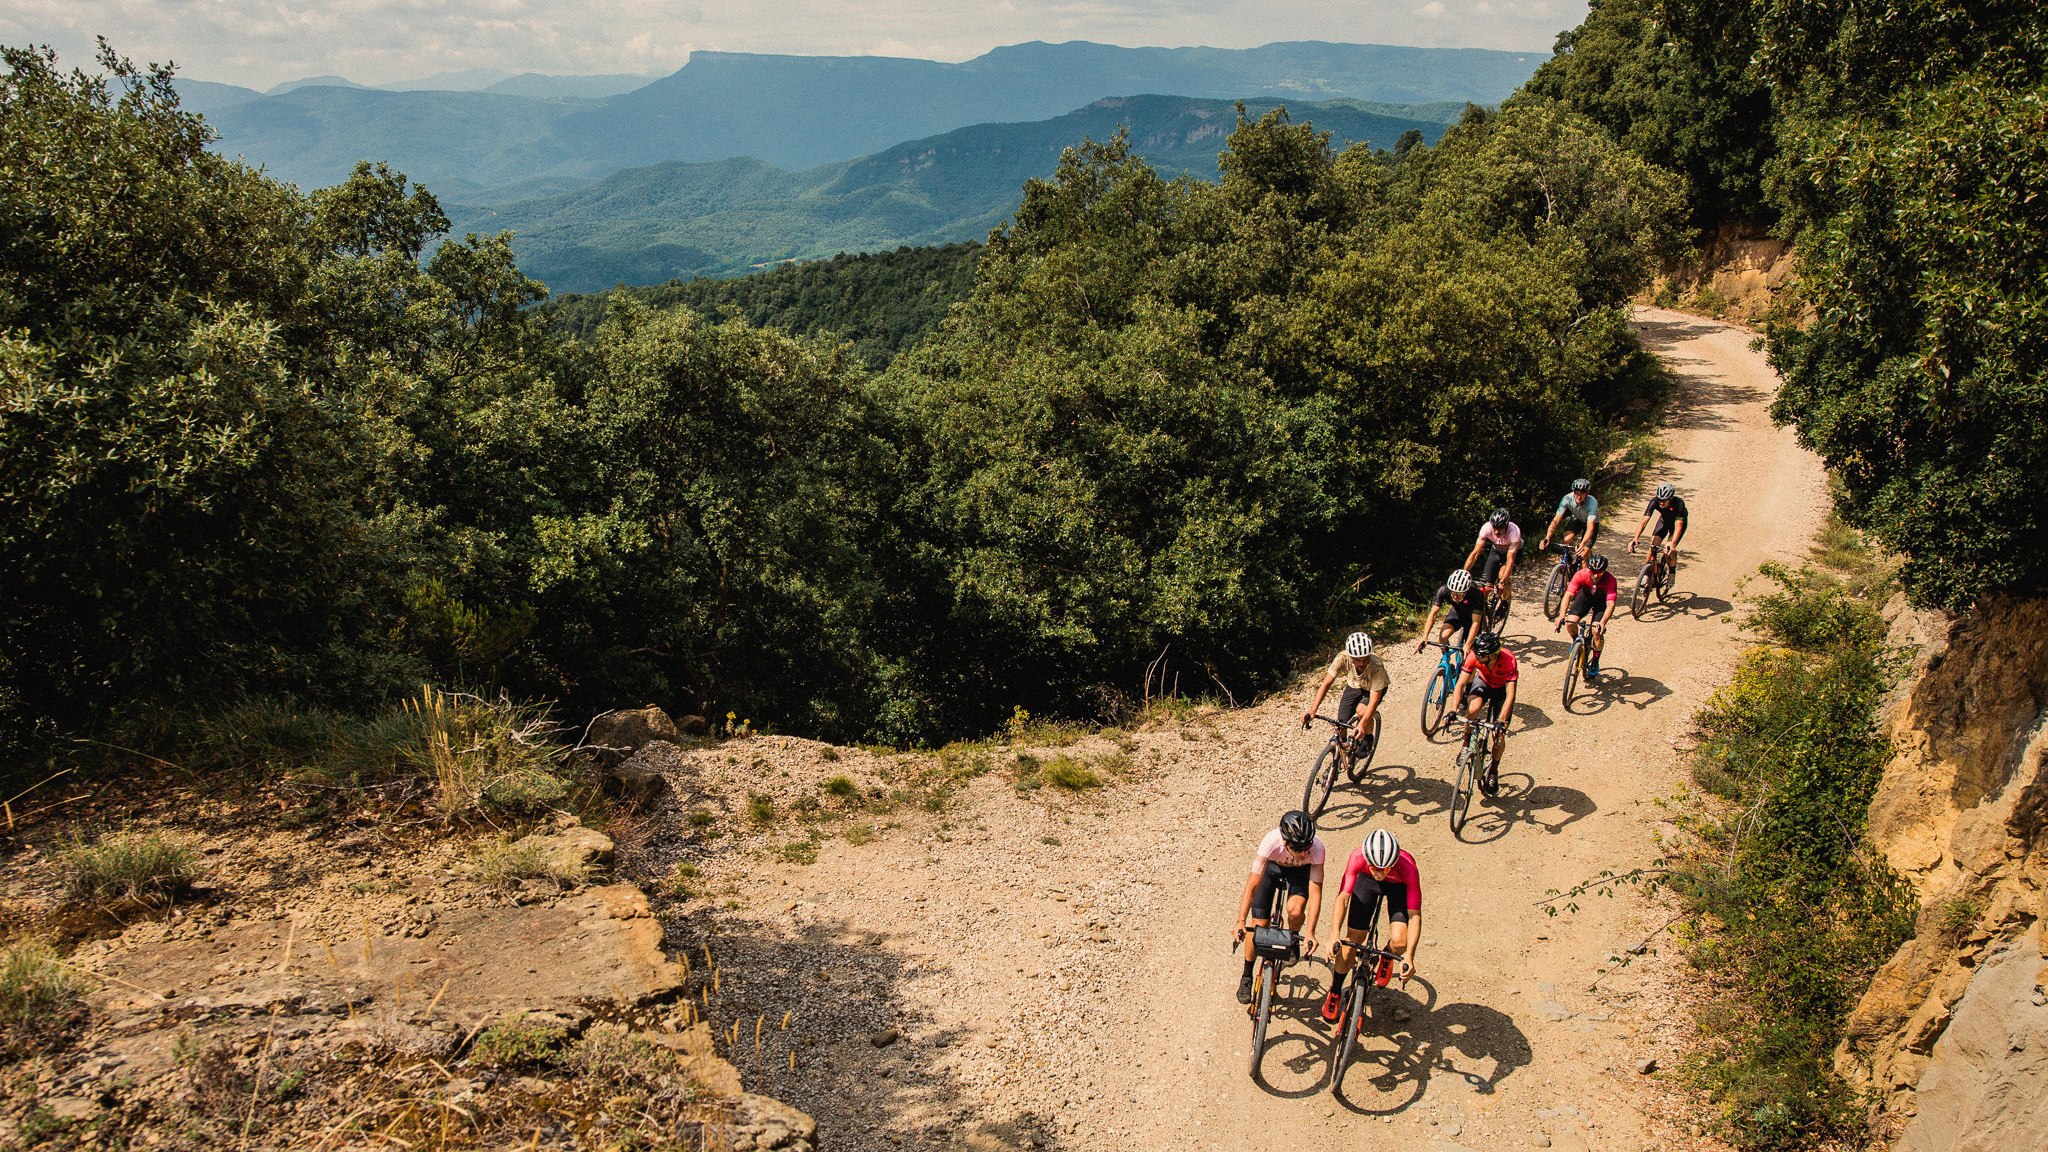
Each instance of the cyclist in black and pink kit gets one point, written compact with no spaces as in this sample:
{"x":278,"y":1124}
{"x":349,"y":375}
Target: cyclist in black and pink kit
{"x":1290,"y":858}
{"x":1591,"y":592}
{"x":1377,"y":871}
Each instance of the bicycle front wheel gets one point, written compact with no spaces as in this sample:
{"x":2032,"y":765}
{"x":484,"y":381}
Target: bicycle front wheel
{"x":1573,"y":661}
{"x":1434,"y":698}
{"x":1641,"y":598}
{"x":1347,"y":1039}
{"x":1553,"y":592}
{"x":1461,"y":792}
{"x":1361,"y":761}
{"x":1263,"y":1017}
{"x":1498,"y":610}
{"x":1321,"y":779}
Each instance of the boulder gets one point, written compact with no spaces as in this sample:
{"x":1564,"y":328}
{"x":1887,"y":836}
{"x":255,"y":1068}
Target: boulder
{"x":1987,"y":1081}
{"x":645,"y":774}
{"x":621,"y":734}
{"x":693,"y":725}
{"x":573,"y":850}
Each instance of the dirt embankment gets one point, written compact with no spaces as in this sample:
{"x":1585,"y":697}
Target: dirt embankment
{"x":1739,"y":275}
{"x":1953,"y":1034}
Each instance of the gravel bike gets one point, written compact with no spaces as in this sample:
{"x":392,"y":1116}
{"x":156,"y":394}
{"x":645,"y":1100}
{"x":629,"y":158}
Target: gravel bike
{"x":1575,"y":660}
{"x":1374,"y":967}
{"x":1348,"y":751}
{"x":1560,"y":575}
{"x":1273,"y":947}
{"x":1496,"y":605}
{"x":1437,"y":695}
{"x":1492,"y":739}
{"x":1659,"y":573}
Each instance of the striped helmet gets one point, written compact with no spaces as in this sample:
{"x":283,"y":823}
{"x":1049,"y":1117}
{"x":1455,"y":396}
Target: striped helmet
{"x":1381,"y":849}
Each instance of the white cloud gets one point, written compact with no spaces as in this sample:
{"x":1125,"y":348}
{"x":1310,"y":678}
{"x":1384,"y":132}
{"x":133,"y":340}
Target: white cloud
{"x":261,"y":42}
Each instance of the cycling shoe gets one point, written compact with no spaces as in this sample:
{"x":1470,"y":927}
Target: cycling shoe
{"x":1244,"y":990}
{"x":1333,"y":1006}
{"x":1490,"y":783}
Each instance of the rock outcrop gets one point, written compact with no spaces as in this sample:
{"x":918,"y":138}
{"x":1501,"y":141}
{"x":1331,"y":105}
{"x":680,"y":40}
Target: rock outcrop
{"x":1963,"y":812}
{"x":1740,"y":276}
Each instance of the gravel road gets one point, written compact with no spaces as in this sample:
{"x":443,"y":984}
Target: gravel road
{"x":1078,"y":994}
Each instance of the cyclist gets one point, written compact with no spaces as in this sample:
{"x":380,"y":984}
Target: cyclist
{"x":1499,"y":537}
{"x":1290,"y":857}
{"x":1460,"y":605}
{"x":1378,"y":870}
{"x":1582,"y":597}
{"x":1670,"y":513}
{"x":1365,"y":681}
{"x":1488,"y":681}
{"x":1584,"y":510}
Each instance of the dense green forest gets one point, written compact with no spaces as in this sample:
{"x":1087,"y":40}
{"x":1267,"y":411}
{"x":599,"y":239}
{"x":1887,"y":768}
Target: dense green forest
{"x":254,"y":444}
{"x":882,"y":302}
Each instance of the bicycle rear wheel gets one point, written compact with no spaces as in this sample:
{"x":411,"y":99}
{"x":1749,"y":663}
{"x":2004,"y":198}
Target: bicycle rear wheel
{"x":1361,"y":762}
{"x":1461,"y":792}
{"x":1321,"y":779}
{"x":1264,"y":1016}
{"x":1641,"y":598}
{"x":1434,"y":698}
{"x":1572,"y":662}
{"x":1553,"y":592}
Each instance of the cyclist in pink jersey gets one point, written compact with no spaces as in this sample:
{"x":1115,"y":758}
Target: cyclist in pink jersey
{"x":1290,"y":858}
{"x":1494,"y":552}
{"x":1379,"y":870}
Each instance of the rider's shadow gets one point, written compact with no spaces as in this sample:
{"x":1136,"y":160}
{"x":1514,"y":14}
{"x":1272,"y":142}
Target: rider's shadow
{"x":1547,"y":807}
{"x":1542,"y":652}
{"x":1685,"y":603}
{"x":1620,"y":684}
{"x":1393,"y":790}
{"x":1396,"y":1058}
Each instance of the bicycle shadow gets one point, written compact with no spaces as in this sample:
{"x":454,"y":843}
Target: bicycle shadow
{"x":1520,"y":801}
{"x":1297,"y":1037}
{"x":1621,"y":684}
{"x":1395,"y":790}
{"x":1542,"y":652}
{"x":1398,"y":1058}
{"x":1687,"y":604}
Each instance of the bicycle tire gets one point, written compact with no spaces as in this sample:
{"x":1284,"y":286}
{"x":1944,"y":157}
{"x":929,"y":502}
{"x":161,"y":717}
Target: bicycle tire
{"x":1434,"y":699}
{"x":1572,"y":661}
{"x":1497,"y":613}
{"x":1321,"y":779}
{"x":1263,"y":1017}
{"x":1361,"y":768}
{"x":1461,"y":792}
{"x":1553,"y":593}
{"x":1641,"y":598}
{"x":1347,"y":1039}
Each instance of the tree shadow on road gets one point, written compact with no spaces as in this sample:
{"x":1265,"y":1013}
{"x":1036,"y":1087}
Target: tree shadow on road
{"x":1480,"y":1045}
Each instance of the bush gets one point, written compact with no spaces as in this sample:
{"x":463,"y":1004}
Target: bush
{"x":145,"y":867}
{"x":520,"y":1042}
{"x":481,"y":753}
{"x":37,"y":994}
{"x":1070,"y":775}
{"x":841,"y":787}
{"x":760,"y":808}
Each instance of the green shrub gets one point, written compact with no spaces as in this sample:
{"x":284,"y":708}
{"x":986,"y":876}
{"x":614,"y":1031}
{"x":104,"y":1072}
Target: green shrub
{"x":760,"y":808}
{"x":37,"y":994}
{"x":1070,"y":775}
{"x":700,"y":818}
{"x":842,"y":787}
{"x":859,"y":834}
{"x":520,"y":1042}
{"x":129,"y":865}
{"x":481,"y":753}
{"x":801,"y":851}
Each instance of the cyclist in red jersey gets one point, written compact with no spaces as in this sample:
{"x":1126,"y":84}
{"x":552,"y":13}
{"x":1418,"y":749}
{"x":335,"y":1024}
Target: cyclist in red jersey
{"x":1488,"y":679}
{"x":1378,"y":870}
{"x":1593,"y":592}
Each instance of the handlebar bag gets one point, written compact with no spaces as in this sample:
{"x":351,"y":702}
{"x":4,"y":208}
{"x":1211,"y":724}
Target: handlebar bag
{"x":1275,"y":944}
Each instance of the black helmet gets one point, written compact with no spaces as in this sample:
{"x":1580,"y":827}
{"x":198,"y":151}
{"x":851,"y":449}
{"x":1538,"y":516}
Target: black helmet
{"x":1582,"y":485}
{"x":1499,"y":519}
{"x":1298,"y":829}
{"x":1597,"y":562}
{"x":1666,"y":491}
{"x":1485,"y":644}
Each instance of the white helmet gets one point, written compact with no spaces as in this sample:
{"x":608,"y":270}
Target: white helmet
{"x":1459,"y":583}
{"x":1358,"y":645}
{"x":1381,"y":849}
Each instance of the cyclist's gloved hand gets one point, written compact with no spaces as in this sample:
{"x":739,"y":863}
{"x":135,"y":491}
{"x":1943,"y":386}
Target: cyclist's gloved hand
{"x":1307,"y":718}
{"x":1421,"y":644}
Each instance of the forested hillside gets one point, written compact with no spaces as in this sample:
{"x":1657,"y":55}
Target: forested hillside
{"x":883,"y":302}
{"x":258,"y":448}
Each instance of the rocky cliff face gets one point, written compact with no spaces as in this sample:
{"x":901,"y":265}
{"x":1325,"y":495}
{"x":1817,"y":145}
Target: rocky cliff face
{"x":1738,"y":276}
{"x":1953,"y":1033}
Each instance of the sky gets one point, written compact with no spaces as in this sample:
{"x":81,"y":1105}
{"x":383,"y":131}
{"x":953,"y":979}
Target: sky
{"x":259,"y":43}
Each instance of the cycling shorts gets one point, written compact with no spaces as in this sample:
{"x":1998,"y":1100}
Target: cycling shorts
{"x":1585,"y":602}
{"x":1662,"y":529}
{"x":1278,"y":875}
{"x":1365,"y":903}
{"x":1347,"y":704}
{"x":1490,"y":562}
{"x":1494,"y":697}
{"x":1460,"y":614}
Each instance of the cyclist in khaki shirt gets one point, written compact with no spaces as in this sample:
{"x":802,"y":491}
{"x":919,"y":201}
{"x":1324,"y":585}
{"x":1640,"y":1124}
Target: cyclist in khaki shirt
{"x":1365,"y":681}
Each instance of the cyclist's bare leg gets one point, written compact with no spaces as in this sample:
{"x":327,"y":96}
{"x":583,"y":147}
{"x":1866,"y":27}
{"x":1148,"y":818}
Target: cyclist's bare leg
{"x":1345,"y":957}
{"x":1571,"y":627}
{"x":1297,"y":911}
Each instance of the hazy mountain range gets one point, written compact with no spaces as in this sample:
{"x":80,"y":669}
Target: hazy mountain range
{"x":647,"y":225}
{"x":522,"y":136}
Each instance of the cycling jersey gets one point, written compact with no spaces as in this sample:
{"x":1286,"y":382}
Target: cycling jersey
{"x":1502,"y":541}
{"x":1667,"y":518}
{"x":1274,"y":850}
{"x":1496,"y":673}
{"x":1403,"y":873}
{"x":1373,"y":679}
{"x":1579,"y":512}
{"x":1598,"y":584}
{"x":1466,"y":603}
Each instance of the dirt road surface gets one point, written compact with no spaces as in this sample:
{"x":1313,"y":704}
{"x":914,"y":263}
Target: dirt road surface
{"x":1079,"y":994}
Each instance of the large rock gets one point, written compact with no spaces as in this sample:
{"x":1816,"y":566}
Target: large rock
{"x":575,"y":850}
{"x":646,"y":773}
{"x":1986,"y":1086}
{"x":617,"y":735}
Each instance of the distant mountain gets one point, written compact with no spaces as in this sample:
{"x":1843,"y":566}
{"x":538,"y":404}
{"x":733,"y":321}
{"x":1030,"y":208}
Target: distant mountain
{"x":205,"y":96}
{"x":467,"y":80}
{"x":797,"y":112}
{"x":578,"y":87}
{"x":311,"y":82}
{"x":647,"y":225}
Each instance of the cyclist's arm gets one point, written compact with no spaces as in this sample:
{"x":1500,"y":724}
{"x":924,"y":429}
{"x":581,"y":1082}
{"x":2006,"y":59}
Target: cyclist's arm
{"x":1474,"y":557}
{"x":1677,"y":534}
{"x":1372,"y":703}
{"x":1640,"y":529}
{"x":1548,"y":532}
{"x":1314,"y":910}
{"x":1507,"y":566}
{"x":1329,"y":678}
{"x":1428,"y":627}
{"x":1414,"y":939}
{"x":1592,"y":530}
{"x":1251,"y":887}
{"x":1507,"y":706}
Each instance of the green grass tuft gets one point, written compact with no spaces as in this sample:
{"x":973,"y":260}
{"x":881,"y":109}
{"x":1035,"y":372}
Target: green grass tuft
{"x":147,"y":867}
{"x":1070,"y":775}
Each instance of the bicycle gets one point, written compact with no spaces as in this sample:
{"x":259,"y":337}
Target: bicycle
{"x":1659,"y":573}
{"x":1339,"y":752}
{"x":1438,"y":694}
{"x":1273,"y":948}
{"x":1560,"y":575}
{"x":1496,"y":605}
{"x":1358,"y":996}
{"x":1575,"y":660}
{"x":1494,"y":734}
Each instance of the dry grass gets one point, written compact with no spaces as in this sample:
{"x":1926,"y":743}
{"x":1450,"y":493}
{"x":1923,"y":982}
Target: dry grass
{"x":482,"y":753}
{"x":504,"y":863}
{"x":145,"y":867}
{"x":36,"y":993}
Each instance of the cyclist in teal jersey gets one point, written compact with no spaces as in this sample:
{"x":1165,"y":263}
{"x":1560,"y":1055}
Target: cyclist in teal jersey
{"x":1584,"y":510}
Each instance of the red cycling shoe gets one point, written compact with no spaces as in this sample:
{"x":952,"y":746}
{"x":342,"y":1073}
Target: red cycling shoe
{"x":1333,"y":1006}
